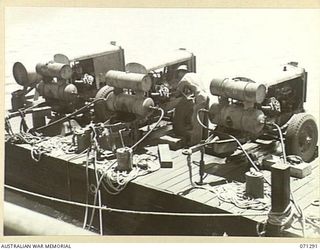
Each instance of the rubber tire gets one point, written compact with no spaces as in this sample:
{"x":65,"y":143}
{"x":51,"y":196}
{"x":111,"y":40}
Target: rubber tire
{"x":300,"y":127}
{"x":100,"y":108}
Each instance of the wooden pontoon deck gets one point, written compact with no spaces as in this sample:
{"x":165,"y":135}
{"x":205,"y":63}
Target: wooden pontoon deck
{"x":165,"y":190}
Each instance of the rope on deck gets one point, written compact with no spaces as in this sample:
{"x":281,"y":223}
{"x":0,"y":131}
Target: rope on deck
{"x":109,"y":209}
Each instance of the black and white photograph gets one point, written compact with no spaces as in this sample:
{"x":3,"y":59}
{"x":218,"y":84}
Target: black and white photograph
{"x":161,"y":122}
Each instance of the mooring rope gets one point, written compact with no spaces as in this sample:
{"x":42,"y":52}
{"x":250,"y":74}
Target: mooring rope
{"x":178,"y":214}
{"x":281,"y":218}
{"x":127,"y":211}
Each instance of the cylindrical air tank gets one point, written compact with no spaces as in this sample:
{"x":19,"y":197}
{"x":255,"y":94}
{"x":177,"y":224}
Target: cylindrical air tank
{"x":135,"y":104}
{"x":58,"y":91}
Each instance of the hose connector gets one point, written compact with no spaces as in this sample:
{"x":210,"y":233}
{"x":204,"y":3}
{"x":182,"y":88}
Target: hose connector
{"x":154,"y":108}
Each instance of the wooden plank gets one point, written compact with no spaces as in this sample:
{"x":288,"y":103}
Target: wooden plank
{"x":204,"y":196}
{"x":305,"y":195}
{"x":216,"y":202}
{"x":154,"y":151}
{"x":195,"y":157}
{"x":181,"y":180}
{"x":194,"y":194}
{"x":178,"y":164}
{"x":301,"y":170}
{"x":312,"y":210}
{"x":144,"y":200}
{"x":165,"y":157}
{"x":209,"y":198}
{"x":306,"y":201}
{"x":173,"y":142}
{"x":162,"y":173}
{"x":186,"y":184}
{"x":295,"y":184}
{"x":306,"y":188}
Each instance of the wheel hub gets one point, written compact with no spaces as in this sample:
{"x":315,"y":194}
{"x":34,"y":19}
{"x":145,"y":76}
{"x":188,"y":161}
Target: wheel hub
{"x":305,"y":139}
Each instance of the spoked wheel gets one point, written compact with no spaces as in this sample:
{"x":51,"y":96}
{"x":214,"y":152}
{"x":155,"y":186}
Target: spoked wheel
{"x":302,"y":136}
{"x":100,"y":107}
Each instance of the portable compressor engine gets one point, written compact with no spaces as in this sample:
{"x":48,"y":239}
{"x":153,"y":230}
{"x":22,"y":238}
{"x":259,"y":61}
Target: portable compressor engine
{"x":168,"y":73}
{"x":49,"y":79}
{"x":53,"y":81}
{"x":122,"y":108}
{"x":129,"y":99}
{"x":250,"y":110}
{"x":65,"y":85}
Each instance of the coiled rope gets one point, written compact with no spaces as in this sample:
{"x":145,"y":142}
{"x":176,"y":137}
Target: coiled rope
{"x":235,"y":193}
{"x":115,"y":181}
{"x":23,"y":136}
{"x":48,"y":145}
{"x":282,"y":218}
